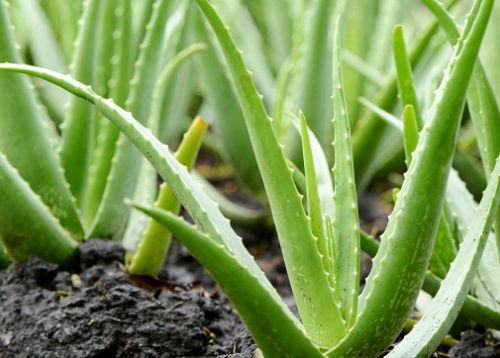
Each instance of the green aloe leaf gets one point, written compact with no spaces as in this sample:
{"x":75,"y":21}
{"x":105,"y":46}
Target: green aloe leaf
{"x":309,"y":281}
{"x":47,"y":53}
{"x":371,"y":133}
{"x":156,"y":239}
{"x":346,"y":221}
{"x":314,"y":81}
{"x":485,"y":114}
{"x":105,"y":143}
{"x":112,"y":214}
{"x":437,"y":321}
{"x":27,"y":227}
{"x":228,"y":120}
{"x":23,"y":139}
{"x":420,"y":199}
{"x":78,"y":126}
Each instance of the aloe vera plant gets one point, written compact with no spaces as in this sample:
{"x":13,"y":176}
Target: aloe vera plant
{"x":320,"y":242}
{"x":71,"y":185}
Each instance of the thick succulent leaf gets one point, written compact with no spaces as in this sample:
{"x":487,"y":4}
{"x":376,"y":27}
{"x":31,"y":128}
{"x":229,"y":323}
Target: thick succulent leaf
{"x":482,"y":103}
{"x":27,"y":227}
{"x":278,"y":18}
{"x":462,"y":204}
{"x":246,"y":33}
{"x":107,"y":137}
{"x":238,"y":215}
{"x":112,"y":215}
{"x":359,"y":18}
{"x":78,"y":126}
{"x":445,"y":244}
{"x":473,"y":309}
{"x":63,"y":16}
{"x":47,"y":53}
{"x":146,"y":189}
{"x":319,"y":220}
{"x":179,"y":99}
{"x":156,"y":239}
{"x":485,"y":114}
{"x":410,"y":131}
{"x":309,"y":281}
{"x":490,"y":56}
{"x":228,"y":119}
{"x":406,"y":244}
{"x":437,"y":321}
{"x":276,"y":332}
{"x":314,"y":82}
{"x":405,"y":80}
{"x":346,"y":221}
{"x":369,"y":134}
{"x":23,"y":139}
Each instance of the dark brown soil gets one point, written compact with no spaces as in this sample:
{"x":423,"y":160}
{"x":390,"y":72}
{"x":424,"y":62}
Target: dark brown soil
{"x":98,"y":313}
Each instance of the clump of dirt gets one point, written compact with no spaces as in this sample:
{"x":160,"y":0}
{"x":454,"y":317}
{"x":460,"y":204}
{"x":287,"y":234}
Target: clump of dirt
{"x":97,"y":312}
{"x":473,"y":345}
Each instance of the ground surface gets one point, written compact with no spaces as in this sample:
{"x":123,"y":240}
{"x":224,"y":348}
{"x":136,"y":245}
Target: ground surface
{"x":98,"y":313}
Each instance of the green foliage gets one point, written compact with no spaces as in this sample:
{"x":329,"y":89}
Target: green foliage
{"x":60,"y":183}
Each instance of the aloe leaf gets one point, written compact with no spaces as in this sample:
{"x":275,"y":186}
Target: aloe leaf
{"x":156,"y":239}
{"x":421,"y":198}
{"x":23,"y":139}
{"x":63,"y":16}
{"x":410,"y":131}
{"x":433,"y":327}
{"x":142,"y":15}
{"x":309,"y":281}
{"x":275,"y":332}
{"x":346,"y":221}
{"x":364,"y":69}
{"x":112,"y":215}
{"x":482,"y":103}
{"x":389,"y":118}
{"x":367,"y":145}
{"x":228,"y":119}
{"x":118,"y":89}
{"x":489,"y":55}
{"x":359,"y":18}
{"x":27,"y":227}
{"x":485,"y":114}
{"x":405,"y":80}
{"x":240,"y":216}
{"x":313,"y":198}
{"x":314,"y":83}
{"x":192,"y":196}
{"x":462,"y":204}
{"x":246,"y":33}
{"x":472,"y":308}
{"x":146,"y":188}
{"x":46,"y":53}
{"x":444,"y":247}
{"x":278,"y":19}
{"x":314,"y":210}
{"x":78,"y":126}
{"x":179,"y":98}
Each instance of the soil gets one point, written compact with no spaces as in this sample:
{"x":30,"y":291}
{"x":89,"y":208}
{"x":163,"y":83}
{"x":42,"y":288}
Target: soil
{"x":99,"y":311}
